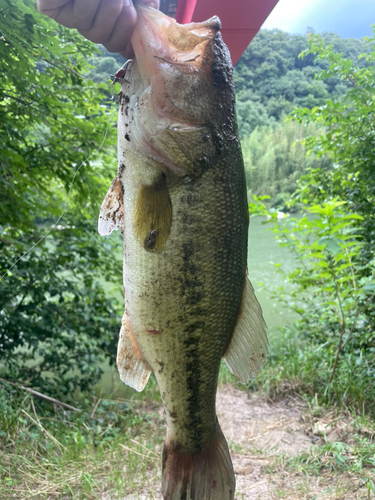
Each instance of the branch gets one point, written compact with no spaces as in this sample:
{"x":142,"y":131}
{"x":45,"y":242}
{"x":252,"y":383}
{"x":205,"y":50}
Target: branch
{"x":343,"y":324}
{"x":40,"y":395}
{"x":338,"y":351}
{"x":25,"y":103}
{"x":66,"y":68}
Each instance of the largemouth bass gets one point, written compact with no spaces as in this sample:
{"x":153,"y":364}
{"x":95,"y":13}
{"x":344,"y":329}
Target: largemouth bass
{"x":180,"y":201}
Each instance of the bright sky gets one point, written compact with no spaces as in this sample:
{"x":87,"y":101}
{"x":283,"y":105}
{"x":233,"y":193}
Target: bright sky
{"x":348,"y":18}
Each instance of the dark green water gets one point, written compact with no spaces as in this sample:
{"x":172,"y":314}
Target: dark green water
{"x":263,"y":253}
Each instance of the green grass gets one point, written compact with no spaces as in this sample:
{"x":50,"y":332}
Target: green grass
{"x":299,"y":367}
{"x":351,"y":455}
{"x":111,"y":447}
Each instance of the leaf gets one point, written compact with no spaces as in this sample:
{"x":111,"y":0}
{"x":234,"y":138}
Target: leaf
{"x":369,"y":287}
{"x":332,"y":244}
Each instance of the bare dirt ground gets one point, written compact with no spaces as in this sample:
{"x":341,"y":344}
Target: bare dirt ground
{"x":263,"y":436}
{"x":258,"y":432}
{"x":280,"y":450}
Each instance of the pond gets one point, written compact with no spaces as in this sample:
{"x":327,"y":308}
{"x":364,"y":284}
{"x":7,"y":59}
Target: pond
{"x":263,"y":253}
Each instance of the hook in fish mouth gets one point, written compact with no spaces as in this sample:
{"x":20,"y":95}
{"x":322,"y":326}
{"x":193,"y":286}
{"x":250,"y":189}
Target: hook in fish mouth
{"x":120,"y":75}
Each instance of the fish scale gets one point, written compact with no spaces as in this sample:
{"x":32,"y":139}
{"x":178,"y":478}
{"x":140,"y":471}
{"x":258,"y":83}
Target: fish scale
{"x":193,"y":297}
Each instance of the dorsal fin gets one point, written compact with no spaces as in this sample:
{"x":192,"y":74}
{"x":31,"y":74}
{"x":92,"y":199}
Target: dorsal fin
{"x":111,"y":215}
{"x":247,"y":350}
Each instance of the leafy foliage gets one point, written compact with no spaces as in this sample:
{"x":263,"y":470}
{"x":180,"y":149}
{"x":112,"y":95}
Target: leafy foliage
{"x":334,"y":282}
{"x":56,"y":322}
{"x":275,"y":158}
{"x":349,"y":138}
{"x":271,"y":79}
{"x":56,"y":311}
{"x":331,"y":297}
{"x":46,"y":103}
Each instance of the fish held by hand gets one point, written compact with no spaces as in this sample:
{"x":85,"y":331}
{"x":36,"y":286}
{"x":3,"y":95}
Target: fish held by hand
{"x":180,"y":201}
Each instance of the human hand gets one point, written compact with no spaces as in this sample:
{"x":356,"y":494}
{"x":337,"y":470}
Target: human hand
{"x":109,"y":22}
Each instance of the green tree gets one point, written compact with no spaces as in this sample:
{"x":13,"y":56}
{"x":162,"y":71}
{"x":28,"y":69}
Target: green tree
{"x":275,"y":158}
{"x":271,"y":80}
{"x":53,"y":121}
{"x":348,"y":138}
{"x":334,"y":282}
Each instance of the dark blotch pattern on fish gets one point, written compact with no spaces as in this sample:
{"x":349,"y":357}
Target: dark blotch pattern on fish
{"x":150,"y":240}
{"x":193,"y":379}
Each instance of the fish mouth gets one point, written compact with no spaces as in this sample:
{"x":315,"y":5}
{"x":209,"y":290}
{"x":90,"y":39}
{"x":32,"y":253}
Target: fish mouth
{"x":162,"y":39}
{"x":179,"y":92}
{"x":187,"y":38}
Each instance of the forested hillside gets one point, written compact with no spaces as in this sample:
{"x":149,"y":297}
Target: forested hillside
{"x":271,"y":79}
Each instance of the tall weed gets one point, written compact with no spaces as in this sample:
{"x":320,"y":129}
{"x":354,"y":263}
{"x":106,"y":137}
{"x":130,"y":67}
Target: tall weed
{"x":330,"y":351}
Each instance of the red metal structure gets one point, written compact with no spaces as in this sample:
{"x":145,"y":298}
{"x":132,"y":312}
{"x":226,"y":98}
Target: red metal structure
{"x":241,"y":19}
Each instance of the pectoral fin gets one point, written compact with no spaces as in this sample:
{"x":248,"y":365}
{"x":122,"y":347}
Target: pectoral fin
{"x":111,"y":215}
{"x":153,"y":215}
{"x":247,"y":349}
{"x":133,"y":369}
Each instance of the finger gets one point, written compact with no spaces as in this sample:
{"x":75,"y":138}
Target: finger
{"x":104,"y":28}
{"x":128,"y":51}
{"x":50,"y":6}
{"x":122,"y":31}
{"x":78,"y":14}
{"x":115,"y":36}
{"x":85,"y":14}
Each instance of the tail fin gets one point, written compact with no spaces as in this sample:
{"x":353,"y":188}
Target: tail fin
{"x":205,"y":475}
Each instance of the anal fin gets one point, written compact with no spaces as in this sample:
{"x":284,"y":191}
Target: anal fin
{"x":247,"y":349}
{"x":133,"y":369}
